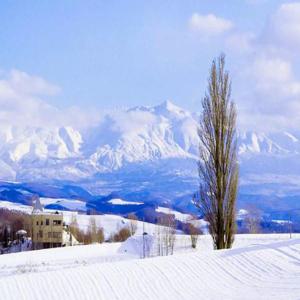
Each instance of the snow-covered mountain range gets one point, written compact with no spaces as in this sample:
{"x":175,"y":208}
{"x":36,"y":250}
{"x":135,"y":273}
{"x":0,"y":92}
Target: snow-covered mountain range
{"x":140,"y":143}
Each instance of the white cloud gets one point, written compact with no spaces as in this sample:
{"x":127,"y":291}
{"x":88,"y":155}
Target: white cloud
{"x":271,"y":100}
{"x":284,"y":26}
{"x":21,"y":103}
{"x":266,"y":86}
{"x":273,"y":69}
{"x":32,"y":85}
{"x":274,"y":77}
{"x":209,"y":25}
{"x":240,"y":42}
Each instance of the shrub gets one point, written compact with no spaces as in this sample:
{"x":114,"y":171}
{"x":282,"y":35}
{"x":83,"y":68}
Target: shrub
{"x":122,"y":235}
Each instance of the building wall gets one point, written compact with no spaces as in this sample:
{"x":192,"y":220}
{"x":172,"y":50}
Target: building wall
{"x":47,"y":230}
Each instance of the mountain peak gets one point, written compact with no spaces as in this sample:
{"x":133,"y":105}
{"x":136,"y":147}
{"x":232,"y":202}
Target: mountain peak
{"x":166,"y":108}
{"x":169,"y":108}
{"x":169,"y":105}
{"x":134,"y":136}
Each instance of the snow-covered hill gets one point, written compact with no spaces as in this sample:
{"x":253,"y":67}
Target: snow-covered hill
{"x":258,"y":267}
{"x":125,"y":137}
{"x":141,"y":134}
{"x":19,"y":145}
{"x":138,"y":149}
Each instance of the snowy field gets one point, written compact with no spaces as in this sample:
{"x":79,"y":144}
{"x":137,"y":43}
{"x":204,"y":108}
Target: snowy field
{"x":110,"y":223}
{"x":258,"y":267}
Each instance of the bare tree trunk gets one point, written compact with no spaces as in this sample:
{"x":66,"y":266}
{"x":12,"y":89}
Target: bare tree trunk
{"x":252,"y":219}
{"x":218,"y":169}
{"x":158,"y":239}
{"x":91,"y":231}
{"x":133,"y":223}
{"x":167,"y":234}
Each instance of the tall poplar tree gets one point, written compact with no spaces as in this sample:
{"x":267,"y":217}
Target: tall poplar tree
{"x":218,"y":167}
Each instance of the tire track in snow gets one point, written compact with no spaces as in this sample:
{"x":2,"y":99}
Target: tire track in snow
{"x":267,"y":272}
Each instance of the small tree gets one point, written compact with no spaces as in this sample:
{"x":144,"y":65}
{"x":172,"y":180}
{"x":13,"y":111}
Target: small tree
{"x":172,"y":232}
{"x":167,"y":234}
{"x":94,"y":233}
{"x":100,"y":235}
{"x":252,"y":220}
{"x":122,"y":235}
{"x":133,"y":223}
{"x":194,"y":234}
{"x":74,"y":228}
{"x":218,"y":168}
{"x":158,"y":239}
{"x":191,"y":228}
{"x":93,"y":230}
{"x":80,"y":235}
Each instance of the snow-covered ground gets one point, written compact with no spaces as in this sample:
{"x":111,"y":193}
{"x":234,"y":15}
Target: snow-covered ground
{"x":258,"y":267}
{"x":110,"y":223}
{"x":69,"y":204}
{"x":178,"y":215}
{"x":118,"y":201}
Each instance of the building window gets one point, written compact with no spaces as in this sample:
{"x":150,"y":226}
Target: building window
{"x":49,"y":235}
{"x":37,"y":222}
{"x":42,"y":223}
{"x":56,"y":222}
{"x":47,"y":222}
{"x":41,"y":234}
{"x":57,"y":235}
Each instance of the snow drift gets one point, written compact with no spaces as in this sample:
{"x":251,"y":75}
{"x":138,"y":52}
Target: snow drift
{"x":257,"y":271}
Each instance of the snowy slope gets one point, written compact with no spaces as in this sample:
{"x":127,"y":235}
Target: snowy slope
{"x":109,"y":222}
{"x":122,"y":202}
{"x":178,"y":215}
{"x":145,"y":150}
{"x":30,"y":143}
{"x":69,"y":204}
{"x":254,"y":270}
{"x":121,"y":138}
{"x":140,"y":134}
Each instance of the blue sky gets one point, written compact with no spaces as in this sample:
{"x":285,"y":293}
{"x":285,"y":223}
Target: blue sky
{"x":108,"y":54}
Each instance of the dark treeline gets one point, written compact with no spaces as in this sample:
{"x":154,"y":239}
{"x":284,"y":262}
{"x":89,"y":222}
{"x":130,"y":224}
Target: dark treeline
{"x":10,"y":222}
